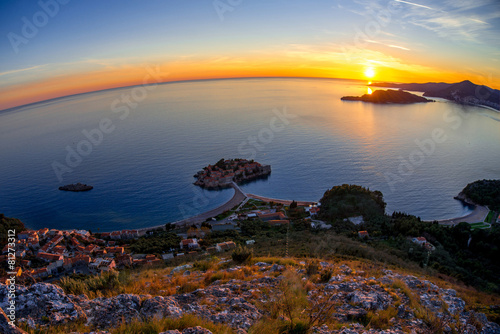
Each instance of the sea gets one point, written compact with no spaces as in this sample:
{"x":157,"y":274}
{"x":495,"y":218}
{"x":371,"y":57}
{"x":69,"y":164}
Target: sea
{"x":139,"y":147}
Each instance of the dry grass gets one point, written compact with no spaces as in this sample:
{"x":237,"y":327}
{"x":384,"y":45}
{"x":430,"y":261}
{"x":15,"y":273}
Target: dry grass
{"x":155,"y":326}
{"x":381,"y":319}
{"x":159,"y":281}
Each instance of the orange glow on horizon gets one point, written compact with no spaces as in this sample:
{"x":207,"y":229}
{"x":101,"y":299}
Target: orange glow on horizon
{"x":200,"y":69}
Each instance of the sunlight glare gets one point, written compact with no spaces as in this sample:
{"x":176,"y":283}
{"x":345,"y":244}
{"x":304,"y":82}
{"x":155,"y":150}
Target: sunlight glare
{"x":369,"y":72}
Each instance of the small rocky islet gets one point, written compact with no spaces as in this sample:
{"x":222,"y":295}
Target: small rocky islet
{"x":76,"y":187}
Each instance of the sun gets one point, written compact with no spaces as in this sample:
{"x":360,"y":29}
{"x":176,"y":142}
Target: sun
{"x":370,"y":72}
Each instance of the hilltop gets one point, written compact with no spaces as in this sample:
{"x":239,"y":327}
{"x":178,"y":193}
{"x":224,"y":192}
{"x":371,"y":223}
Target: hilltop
{"x":464,"y":92}
{"x":261,"y":295}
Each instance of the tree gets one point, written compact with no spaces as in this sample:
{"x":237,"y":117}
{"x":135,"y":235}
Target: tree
{"x":293,"y":205}
{"x":207,"y":225}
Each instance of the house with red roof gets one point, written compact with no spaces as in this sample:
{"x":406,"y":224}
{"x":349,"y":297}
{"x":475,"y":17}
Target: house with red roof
{"x":271,"y":216}
{"x":189,"y":244}
{"x":115,"y":250}
{"x":91,"y":248}
{"x":420,"y":240}
{"x":363,"y":234}
{"x":224,"y":246}
{"x":116,"y":235}
{"x":49,"y":257}
{"x":39,"y":273}
{"x":43,"y":232}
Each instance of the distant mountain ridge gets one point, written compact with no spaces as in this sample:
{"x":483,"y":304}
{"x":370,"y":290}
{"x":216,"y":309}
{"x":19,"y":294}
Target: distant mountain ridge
{"x":464,"y":92}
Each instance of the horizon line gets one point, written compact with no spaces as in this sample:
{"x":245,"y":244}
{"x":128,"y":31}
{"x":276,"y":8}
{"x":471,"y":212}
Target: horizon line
{"x":181,"y":81}
{"x":171,"y":82}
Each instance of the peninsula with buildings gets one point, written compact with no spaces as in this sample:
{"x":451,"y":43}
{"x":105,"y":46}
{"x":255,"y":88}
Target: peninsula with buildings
{"x":224,"y":172}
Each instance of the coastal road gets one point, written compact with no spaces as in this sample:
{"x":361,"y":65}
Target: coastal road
{"x":237,"y":198}
{"x":477,"y":215}
{"x":280,"y":201}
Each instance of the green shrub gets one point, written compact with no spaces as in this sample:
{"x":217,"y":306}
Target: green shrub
{"x":325,"y":276}
{"x":242,"y":255}
{"x":312,"y":267}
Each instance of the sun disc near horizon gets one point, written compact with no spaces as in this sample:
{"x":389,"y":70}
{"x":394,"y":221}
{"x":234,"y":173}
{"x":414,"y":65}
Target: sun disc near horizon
{"x":370,"y":72}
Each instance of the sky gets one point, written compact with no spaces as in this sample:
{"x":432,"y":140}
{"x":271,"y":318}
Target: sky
{"x":53,"y":48}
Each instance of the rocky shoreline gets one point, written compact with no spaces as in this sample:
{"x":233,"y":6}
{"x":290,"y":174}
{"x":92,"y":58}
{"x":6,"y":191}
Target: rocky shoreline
{"x":462,"y":197}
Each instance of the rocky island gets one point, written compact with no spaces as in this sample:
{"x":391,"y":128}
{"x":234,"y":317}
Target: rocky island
{"x":388,"y":96}
{"x":224,"y":172}
{"x":76,"y":187}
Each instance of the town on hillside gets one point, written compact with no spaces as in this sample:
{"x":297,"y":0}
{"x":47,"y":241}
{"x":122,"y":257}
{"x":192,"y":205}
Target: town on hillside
{"x":46,"y":255}
{"x":224,"y":172}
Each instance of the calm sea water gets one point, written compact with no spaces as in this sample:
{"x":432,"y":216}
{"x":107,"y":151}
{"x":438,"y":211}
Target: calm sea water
{"x":142,"y":168}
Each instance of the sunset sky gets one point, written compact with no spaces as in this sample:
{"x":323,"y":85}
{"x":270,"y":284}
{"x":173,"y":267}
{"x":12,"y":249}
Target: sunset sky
{"x":69,"y":46}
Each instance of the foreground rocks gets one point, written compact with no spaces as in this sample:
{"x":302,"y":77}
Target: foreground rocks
{"x":240,"y":304}
{"x":5,"y":327}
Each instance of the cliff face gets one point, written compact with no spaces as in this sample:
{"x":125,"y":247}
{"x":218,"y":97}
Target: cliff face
{"x":414,"y":304}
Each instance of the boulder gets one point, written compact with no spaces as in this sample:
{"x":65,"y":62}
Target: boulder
{"x":196,"y":330}
{"x":111,"y":312}
{"x":41,"y":302}
{"x":160,"y":307}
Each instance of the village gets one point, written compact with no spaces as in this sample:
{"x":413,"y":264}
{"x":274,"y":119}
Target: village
{"x":48,"y":254}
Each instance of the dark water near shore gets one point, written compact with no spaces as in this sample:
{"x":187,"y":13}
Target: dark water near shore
{"x":419,"y":155}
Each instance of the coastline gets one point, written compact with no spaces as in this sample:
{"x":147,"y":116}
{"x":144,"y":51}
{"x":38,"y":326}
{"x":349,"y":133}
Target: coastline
{"x":477,"y":215}
{"x":237,"y":198}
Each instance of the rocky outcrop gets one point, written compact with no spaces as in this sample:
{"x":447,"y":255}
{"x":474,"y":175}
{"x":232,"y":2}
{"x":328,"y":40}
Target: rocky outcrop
{"x":6,"y":327}
{"x":42,"y":303}
{"x":76,"y":187}
{"x":191,"y":330}
{"x":462,"y":197}
{"x":238,"y":303}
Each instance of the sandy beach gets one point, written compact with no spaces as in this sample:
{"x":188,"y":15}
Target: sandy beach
{"x":237,"y":198}
{"x":477,"y":215}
